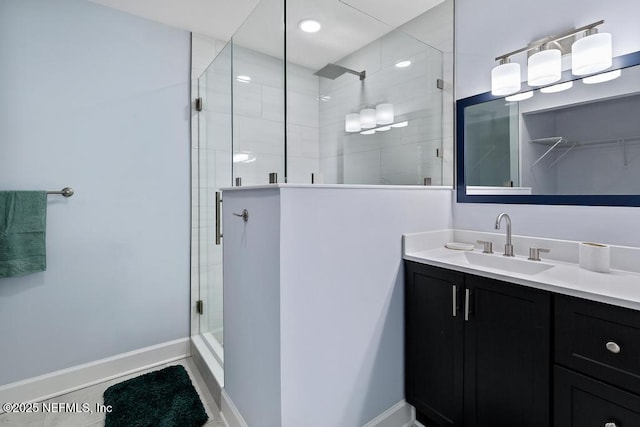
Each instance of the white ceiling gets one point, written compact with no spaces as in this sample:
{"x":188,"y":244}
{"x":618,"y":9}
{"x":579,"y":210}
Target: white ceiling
{"x":347,"y":25}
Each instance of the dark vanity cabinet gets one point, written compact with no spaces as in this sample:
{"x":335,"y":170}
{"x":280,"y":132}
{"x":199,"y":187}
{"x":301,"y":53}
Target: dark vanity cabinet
{"x":597,"y":371}
{"x":477,"y":350}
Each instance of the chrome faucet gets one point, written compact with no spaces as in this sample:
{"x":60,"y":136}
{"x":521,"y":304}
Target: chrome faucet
{"x":508,"y":247}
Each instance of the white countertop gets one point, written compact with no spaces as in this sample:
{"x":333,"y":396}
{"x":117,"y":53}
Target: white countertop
{"x":341,"y":186}
{"x":618,"y":287}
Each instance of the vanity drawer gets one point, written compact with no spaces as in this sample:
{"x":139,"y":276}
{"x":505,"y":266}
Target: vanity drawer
{"x":598,"y":339}
{"x":584,"y":402}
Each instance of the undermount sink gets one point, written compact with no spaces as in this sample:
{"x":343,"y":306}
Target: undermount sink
{"x":499,"y":262}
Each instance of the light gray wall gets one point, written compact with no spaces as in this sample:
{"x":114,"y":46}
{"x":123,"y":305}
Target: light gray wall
{"x":313,"y":295}
{"x":487,"y":28}
{"x":98,"y":100}
{"x":251,"y":249}
{"x":342,"y":298}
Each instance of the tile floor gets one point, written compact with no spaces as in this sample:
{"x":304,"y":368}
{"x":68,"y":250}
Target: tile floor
{"x":93,"y":395}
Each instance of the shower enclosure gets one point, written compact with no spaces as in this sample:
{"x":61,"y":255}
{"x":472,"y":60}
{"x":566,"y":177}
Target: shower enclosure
{"x":278,"y":100}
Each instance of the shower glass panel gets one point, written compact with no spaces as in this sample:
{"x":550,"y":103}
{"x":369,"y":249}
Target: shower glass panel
{"x":261,"y":117}
{"x":383,"y":68}
{"x":258,"y":95}
{"x":214,"y":171}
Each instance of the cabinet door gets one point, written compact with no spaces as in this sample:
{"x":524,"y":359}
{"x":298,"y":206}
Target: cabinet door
{"x":585,"y":330}
{"x":507,"y":355}
{"x":584,"y":402}
{"x":433,"y":340}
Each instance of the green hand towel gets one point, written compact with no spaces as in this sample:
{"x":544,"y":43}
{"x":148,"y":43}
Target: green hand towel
{"x":23,"y":217}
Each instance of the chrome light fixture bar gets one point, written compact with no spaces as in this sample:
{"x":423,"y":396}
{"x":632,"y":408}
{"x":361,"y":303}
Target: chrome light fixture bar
{"x":591,"y":53}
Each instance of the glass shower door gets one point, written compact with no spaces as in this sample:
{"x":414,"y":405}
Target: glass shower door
{"x":214,"y":171}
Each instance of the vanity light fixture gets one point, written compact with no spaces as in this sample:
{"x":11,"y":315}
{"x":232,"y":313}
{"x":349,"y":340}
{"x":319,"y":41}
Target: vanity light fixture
{"x":505,"y":78}
{"x":368,"y":132}
{"x":519,"y":96}
{"x":309,"y":25}
{"x":590,"y":54}
{"x":544,"y":67}
{"x":557,"y":88}
{"x":383,"y":129}
{"x":403,"y":64}
{"x":601,"y":78}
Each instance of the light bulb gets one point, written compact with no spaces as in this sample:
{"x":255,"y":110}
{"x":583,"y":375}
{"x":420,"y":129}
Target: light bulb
{"x":505,"y":79}
{"x":544,"y":67}
{"x":591,"y":54}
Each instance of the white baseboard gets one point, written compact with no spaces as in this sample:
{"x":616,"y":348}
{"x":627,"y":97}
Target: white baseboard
{"x":229,"y":413}
{"x":67,"y":380}
{"x":399,"y":415}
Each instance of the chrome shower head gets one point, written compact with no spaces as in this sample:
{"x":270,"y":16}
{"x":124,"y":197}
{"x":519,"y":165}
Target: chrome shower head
{"x":333,"y":71}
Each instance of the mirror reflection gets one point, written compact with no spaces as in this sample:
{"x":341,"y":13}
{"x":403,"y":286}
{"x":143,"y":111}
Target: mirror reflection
{"x":581,"y":137}
{"x":349,"y":93}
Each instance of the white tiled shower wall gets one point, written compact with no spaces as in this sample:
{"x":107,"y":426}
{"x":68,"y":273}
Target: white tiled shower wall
{"x":316,"y":141}
{"x":404,"y":155}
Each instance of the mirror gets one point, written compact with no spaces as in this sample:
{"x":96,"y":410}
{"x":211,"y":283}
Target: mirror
{"x":578,"y":146}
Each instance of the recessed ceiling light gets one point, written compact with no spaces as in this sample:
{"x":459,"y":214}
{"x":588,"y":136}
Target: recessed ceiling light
{"x":309,"y":25}
{"x":243,"y":79}
{"x":403,"y":64}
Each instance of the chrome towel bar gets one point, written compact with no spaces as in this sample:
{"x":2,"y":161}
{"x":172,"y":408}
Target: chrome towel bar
{"x":66,"y":192}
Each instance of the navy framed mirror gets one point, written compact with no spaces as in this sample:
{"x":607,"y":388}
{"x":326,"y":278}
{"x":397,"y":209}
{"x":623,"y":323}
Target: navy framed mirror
{"x":575,"y":142}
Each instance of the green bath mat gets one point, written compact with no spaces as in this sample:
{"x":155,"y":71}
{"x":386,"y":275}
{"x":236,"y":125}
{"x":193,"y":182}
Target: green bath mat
{"x":164,"y":398}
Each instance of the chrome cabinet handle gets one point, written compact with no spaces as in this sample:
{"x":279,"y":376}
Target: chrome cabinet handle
{"x":218,"y":201}
{"x":455,"y":300}
{"x":613,"y":347}
{"x":610,"y":424}
{"x":466,"y":305}
{"x":244,"y":215}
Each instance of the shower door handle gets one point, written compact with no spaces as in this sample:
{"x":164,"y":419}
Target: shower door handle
{"x":218,"y":202}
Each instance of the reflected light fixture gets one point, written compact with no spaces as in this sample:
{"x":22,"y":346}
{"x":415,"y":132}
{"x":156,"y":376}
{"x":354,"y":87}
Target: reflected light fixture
{"x":243,"y":79}
{"x":384,"y":114}
{"x":519,"y":96}
{"x":601,"y":78}
{"x":403,"y":64}
{"x":557,"y":88}
{"x":505,"y":78}
{"x":368,"y":132}
{"x":309,"y":25}
{"x":400,"y":124}
{"x":592,"y":53}
{"x":243,"y":157}
{"x":368,"y":118}
{"x":352,"y":123}
{"x":383,"y":129}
